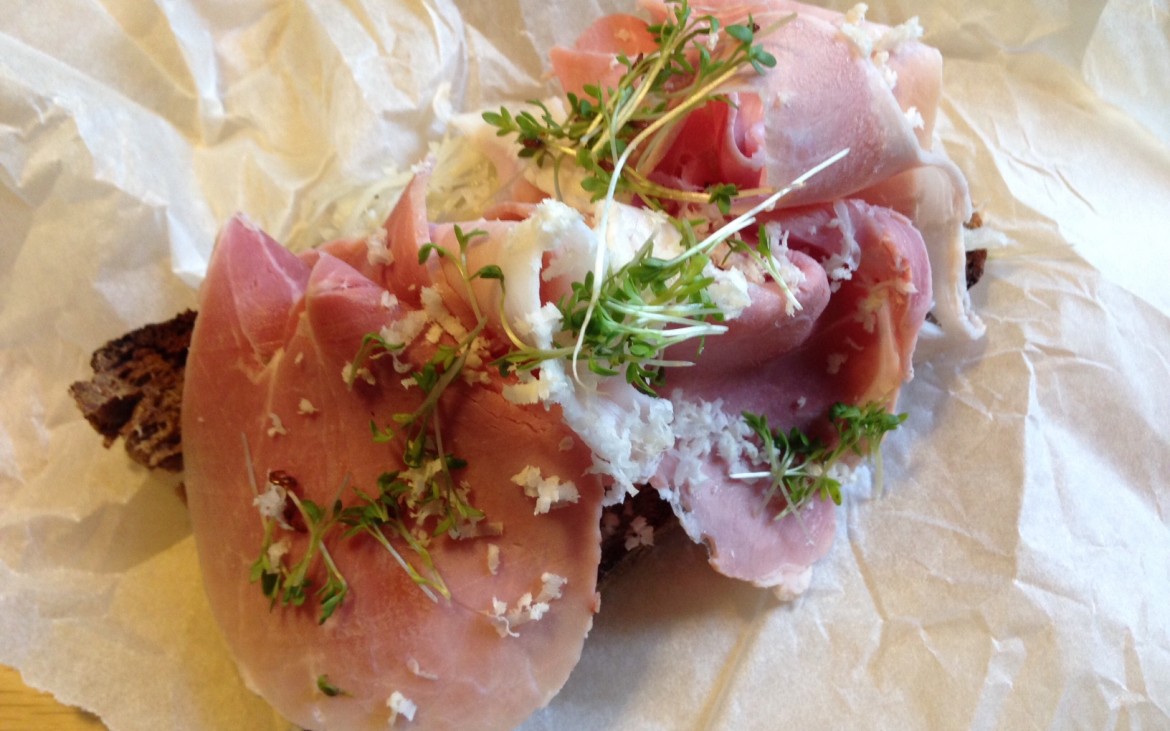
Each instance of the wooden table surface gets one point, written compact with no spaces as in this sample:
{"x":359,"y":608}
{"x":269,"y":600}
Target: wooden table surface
{"x":25,"y":709}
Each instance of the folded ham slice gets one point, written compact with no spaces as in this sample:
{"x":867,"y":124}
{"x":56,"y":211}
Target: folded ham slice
{"x":264,"y":392}
{"x":857,"y":351}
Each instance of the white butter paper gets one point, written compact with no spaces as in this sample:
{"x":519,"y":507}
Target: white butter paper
{"x":1016,"y":572}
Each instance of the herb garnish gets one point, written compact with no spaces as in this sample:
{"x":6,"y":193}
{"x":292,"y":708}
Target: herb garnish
{"x":800,"y":466}
{"x":395,"y":504}
{"x":624,"y":319}
{"x":651,"y":303}
{"x":421,"y":430}
{"x":425,"y":488}
{"x":619,"y":321}
{"x":328,"y":688}
{"x":613,"y":134}
{"x":290,"y":585}
{"x":644,"y":307}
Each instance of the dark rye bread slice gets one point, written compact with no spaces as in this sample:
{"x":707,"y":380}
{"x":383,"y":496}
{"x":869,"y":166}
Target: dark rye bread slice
{"x":137,"y":391}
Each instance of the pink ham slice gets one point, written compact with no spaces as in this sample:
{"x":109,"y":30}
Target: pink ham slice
{"x":837,"y":101}
{"x":407,"y":230}
{"x":935,"y":198}
{"x":273,"y":335}
{"x":822,"y":97}
{"x":717,"y":143}
{"x":766,"y":330}
{"x":592,"y":60}
{"x":858,"y":351}
{"x":825,"y":95}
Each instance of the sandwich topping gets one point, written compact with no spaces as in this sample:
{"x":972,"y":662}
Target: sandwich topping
{"x":701,"y":272}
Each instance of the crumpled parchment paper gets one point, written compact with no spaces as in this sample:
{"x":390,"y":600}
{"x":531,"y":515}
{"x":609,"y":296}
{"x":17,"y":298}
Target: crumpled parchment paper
{"x":1015,"y":572}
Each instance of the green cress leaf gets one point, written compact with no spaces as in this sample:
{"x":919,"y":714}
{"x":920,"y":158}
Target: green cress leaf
{"x":800,"y":466}
{"x":328,"y":688}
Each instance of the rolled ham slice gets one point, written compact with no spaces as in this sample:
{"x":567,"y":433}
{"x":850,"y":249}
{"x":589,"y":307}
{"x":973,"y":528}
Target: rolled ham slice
{"x":857,"y":350}
{"x":840,"y":82}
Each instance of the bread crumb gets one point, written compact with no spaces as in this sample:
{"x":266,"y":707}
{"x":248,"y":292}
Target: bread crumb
{"x":835,"y":361}
{"x":527,"y":609}
{"x":277,"y":428}
{"x":414,"y":668}
{"x":549,"y":492}
{"x":400,"y":705}
{"x":640,"y":533}
{"x":377,"y":251}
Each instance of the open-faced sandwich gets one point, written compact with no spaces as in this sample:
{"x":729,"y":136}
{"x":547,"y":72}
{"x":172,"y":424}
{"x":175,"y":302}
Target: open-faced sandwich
{"x":700,"y":274}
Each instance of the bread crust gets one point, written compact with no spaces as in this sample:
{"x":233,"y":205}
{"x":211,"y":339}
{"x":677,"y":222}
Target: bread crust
{"x":136,"y":392}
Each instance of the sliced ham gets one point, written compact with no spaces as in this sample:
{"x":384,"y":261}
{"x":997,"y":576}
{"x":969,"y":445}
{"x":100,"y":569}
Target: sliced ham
{"x":837,"y":101}
{"x":593,"y":59}
{"x":856,"y":232}
{"x":862,"y":253}
{"x":718,"y":143}
{"x":858,"y":351}
{"x":839,"y":82}
{"x":768,"y":329}
{"x":407,"y":230}
{"x":934,"y":198}
{"x":860,"y":348}
{"x":824,"y":95}
{"x":264,"y":391}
